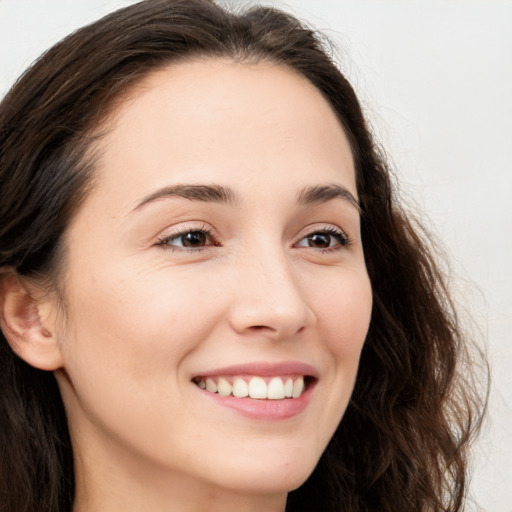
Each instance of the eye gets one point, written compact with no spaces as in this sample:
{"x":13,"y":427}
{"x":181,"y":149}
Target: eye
{"x":326,"y":239}
{"x":189,"y":239}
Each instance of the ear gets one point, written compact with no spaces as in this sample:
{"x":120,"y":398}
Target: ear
{"x":27,"y":318}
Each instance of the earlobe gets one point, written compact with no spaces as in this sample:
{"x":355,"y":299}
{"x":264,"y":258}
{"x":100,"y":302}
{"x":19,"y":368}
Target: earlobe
{"x":27,"y":330}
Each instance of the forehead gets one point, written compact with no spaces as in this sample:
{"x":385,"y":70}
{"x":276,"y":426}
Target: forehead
{"x":210,"y":120}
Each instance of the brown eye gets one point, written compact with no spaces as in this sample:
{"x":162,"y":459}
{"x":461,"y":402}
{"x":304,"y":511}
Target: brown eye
{"x":326,"y":239}
{"x":194,"y":239}
{"x":319,"y":240}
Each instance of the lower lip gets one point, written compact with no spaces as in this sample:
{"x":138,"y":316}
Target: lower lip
{"x":265,"y":410}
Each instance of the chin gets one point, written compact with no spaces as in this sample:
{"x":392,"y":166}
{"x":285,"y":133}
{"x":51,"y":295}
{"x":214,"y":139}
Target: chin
{"x":263,"y":478}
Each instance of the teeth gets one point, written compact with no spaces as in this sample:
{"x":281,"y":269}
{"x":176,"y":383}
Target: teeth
{"x":240,"y":388}
{"x":257,"y":388}
{"x":211,"y":386}
{"x":224,"y":388}
{"x":288,"y":388}
{"x":298,"y":387}
{"x":277,"y":388}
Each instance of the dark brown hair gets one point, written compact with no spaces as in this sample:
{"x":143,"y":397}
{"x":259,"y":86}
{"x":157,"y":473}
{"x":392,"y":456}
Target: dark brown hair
{"x":403,"y":441}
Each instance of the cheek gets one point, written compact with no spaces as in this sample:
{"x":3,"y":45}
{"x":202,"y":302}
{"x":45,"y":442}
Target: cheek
{"x":344,"y":316}
{"x":124,"y":343}
{"x":142,"y":322}
{"x":344,"y":311}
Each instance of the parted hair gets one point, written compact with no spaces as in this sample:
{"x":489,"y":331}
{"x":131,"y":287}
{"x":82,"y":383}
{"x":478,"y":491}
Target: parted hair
{"x":403,"y":442}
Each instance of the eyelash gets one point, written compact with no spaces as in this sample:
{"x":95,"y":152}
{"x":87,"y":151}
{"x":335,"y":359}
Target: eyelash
{"x":342,"y":238}
{"x":204,"y":230}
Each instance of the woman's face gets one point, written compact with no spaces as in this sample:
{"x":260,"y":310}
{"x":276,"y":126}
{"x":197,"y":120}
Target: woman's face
{"x":220,"y":247}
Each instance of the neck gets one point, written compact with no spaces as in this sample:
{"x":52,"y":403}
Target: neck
{"x":205,"y":500}
{"x":123,"y":487}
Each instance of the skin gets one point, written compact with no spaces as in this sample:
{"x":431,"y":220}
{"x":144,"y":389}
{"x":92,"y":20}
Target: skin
{"x":140,"y":318}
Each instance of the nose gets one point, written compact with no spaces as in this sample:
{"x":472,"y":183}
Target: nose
{"x":269,"y":300}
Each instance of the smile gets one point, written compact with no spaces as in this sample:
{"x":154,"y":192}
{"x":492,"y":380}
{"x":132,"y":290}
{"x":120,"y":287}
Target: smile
{"x":263,"y":391}
{"x":256,"y":387}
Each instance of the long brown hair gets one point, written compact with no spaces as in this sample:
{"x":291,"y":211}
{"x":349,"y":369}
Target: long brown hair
{"x":403,"y":441}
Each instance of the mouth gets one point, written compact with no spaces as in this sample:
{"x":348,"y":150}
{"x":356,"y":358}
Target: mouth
{"x":263,"y":391}
{"x":257,"y":387}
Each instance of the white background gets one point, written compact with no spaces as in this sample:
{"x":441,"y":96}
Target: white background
{"x":435,"y":77}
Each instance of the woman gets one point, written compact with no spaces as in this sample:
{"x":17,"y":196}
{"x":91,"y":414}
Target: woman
{"x":210,"y":298}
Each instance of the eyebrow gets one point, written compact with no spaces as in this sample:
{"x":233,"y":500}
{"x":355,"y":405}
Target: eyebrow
{"x":206,"y":193}
{"x":324,"y":193}
{"x":225,"y":195}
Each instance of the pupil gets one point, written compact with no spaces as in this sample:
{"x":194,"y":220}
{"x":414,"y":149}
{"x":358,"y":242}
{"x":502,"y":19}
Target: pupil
{"x":194,"y":238}
{"x":319,"y":240}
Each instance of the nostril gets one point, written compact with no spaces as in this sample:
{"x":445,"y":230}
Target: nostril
{"x":262,"y":328}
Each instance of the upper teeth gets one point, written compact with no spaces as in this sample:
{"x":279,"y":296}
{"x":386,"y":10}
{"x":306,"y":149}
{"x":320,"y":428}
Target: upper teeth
{"x":276,"y":388}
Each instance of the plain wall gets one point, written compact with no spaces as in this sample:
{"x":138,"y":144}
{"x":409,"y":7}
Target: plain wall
{"x":435,"y":77}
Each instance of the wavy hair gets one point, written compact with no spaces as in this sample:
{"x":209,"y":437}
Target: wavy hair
{"x":403,"y":441}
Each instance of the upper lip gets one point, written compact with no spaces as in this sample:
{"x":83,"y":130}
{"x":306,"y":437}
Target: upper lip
{"x":263,"y":369}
